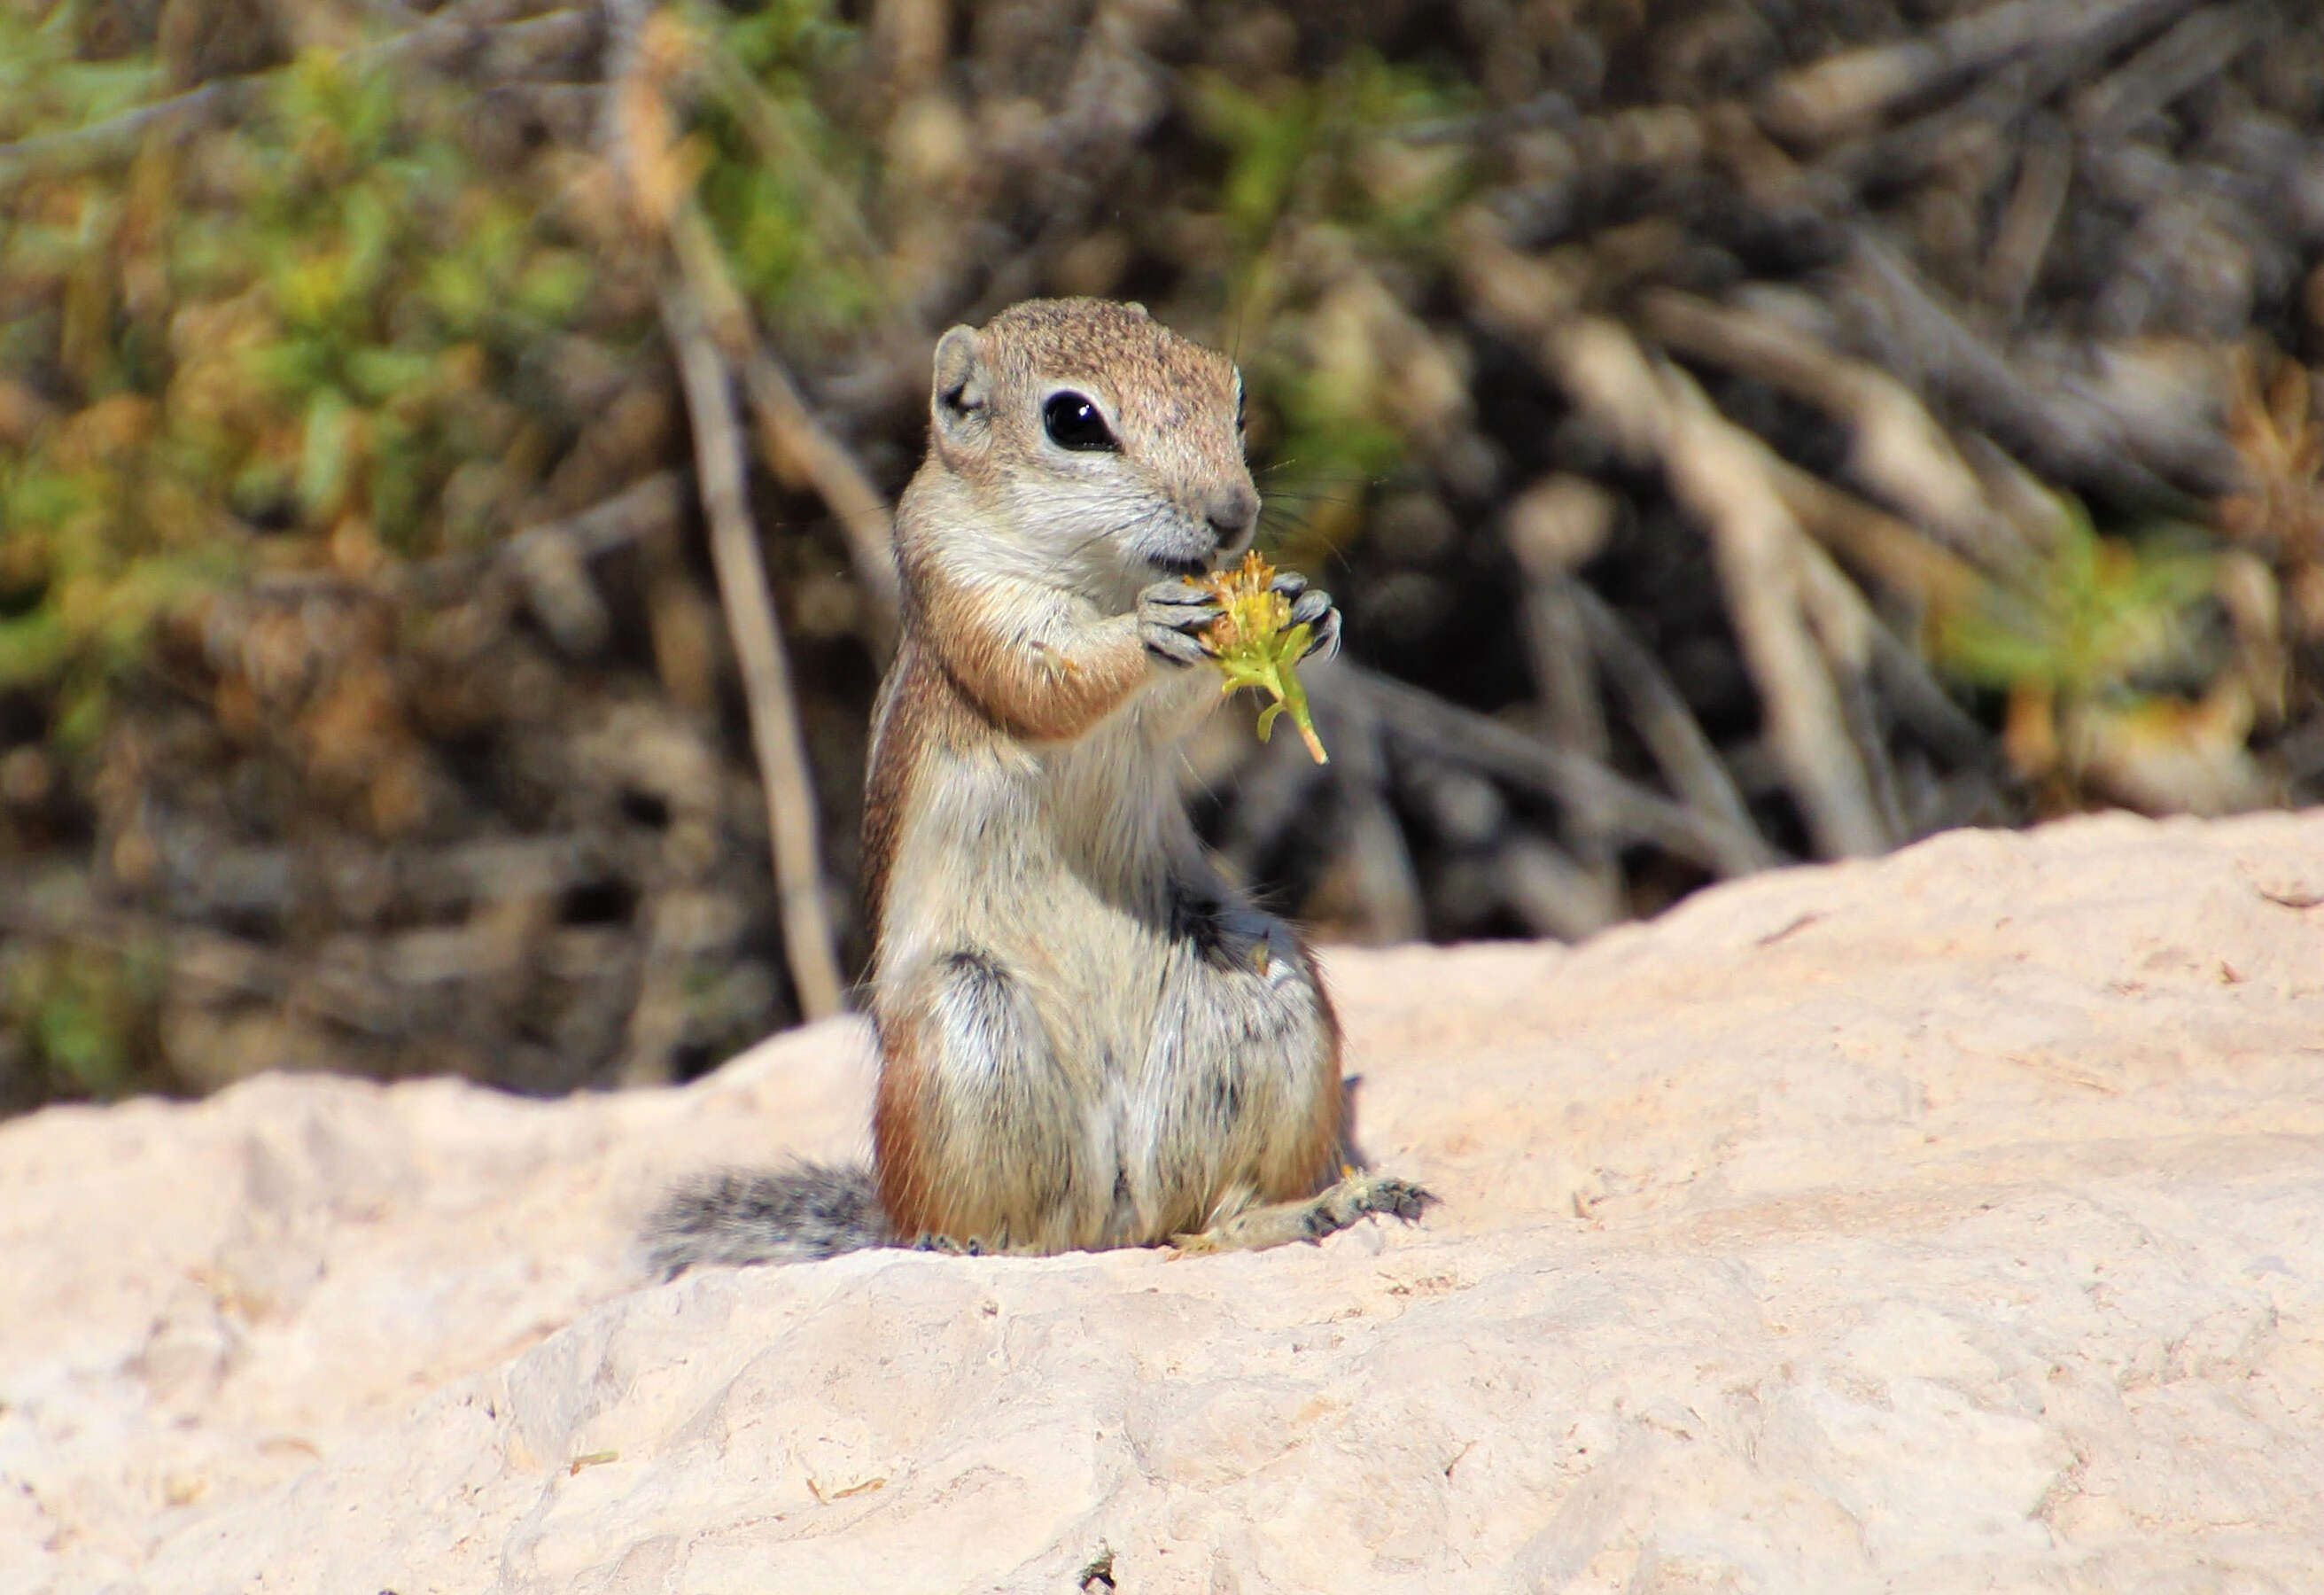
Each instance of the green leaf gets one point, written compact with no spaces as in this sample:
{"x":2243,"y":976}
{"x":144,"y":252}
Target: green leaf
{"x":33,"y":647}
{"x":381,"y":376}
{"x":554,"y":285}
{"x":327,"y":454}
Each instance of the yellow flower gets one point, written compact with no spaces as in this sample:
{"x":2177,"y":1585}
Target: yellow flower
{"x":1256,"y":645}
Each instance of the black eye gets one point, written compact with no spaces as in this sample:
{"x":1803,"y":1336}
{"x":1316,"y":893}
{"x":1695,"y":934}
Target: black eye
{"x":1242,"y":410}
{"x":1075,"y":423}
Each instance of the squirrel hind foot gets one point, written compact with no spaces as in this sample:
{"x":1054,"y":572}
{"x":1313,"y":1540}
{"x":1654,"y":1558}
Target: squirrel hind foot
{"x":799,"y":1215}
{"x":1326,"y":1213}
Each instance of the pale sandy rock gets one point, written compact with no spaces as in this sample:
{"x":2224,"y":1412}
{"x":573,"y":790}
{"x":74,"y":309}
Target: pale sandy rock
{"x":1954,"y":1222}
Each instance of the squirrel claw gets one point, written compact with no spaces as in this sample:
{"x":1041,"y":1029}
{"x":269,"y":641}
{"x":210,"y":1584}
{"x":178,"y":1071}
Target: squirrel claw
{"x":1313,"y":607}
{"x":1170,"y":614}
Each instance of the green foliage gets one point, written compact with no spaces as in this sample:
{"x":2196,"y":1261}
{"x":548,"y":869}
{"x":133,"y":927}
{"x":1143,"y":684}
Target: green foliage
{"x":2099,"y":619}
{"x":83,"y":1012}
{"x":309,"y":324}
{"x":1328,"y":433}
{"x":1316,"y":167}
{"x":783,"y":44}
{"x":1327,"y":149}
{"x":782,"y":182}
{"x":45,"y":87}
{"x":386,"y":283}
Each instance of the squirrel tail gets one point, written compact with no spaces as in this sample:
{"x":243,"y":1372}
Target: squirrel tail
{"x":796,"y":1214}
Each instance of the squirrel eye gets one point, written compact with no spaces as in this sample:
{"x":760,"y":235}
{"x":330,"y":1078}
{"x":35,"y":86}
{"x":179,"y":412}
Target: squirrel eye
{"x":1075,"y":423}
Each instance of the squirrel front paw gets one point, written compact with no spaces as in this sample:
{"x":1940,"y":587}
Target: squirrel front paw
{"x":1311,"y":606}
{"x":1171,"y":616}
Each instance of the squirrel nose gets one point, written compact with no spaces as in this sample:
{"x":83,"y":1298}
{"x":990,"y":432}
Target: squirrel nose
{"x":1232,"y":512}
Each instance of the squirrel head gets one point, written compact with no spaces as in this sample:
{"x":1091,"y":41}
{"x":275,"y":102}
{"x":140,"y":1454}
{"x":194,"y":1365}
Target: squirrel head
{"x":1100,"y":445}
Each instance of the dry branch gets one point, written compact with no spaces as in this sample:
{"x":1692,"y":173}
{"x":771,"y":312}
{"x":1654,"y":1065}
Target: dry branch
{"x":1376,"y":852}
{"x":1884,"y":548}
{"x":2059,"y":426}
{"x":2194,"y":51}
{"x":1722,"y":475}
{"x":700,"y":310}
{"x":789,"y":432}
{"x":549,"y":561}
{"x":1846,"y":92}
{"x":1899,"y":451}
{"x":1553,"y":529}
{"x":2030,"y":221}
{"x":807,"y":939}
{"x":1863,"y":646}
{"x":1725,"y":479}
{"x":791,"y":438}
{"x":1658,"y":712}
{"x":1553,"y":893}
{"x":559,"y":40}
{"x":1432,"y":728}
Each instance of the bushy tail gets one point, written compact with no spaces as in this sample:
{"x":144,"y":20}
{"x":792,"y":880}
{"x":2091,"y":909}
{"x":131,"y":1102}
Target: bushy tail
{"x":798,"y":1214}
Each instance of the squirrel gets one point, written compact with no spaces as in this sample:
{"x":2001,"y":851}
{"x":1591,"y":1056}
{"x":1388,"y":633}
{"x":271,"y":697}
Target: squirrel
{"x":1088,"y":1038}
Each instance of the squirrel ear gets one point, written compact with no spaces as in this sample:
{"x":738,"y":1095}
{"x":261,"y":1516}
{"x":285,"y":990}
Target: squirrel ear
{"x":962,"y":386}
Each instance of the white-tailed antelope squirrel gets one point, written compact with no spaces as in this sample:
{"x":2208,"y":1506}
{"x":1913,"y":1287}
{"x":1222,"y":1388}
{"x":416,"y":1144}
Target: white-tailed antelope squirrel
{"x":1087,"y":1036}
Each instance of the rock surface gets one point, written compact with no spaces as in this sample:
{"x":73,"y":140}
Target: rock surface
{"x":1954,"y":1222}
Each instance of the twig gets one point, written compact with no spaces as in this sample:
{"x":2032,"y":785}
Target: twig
{"x":510,"y":48}
{"x":1563,"y":673}
{"x":790,"y":430}
{"x":1717,"y":470}
{"x":72,"y":152}
{"x":2030,"y":220}
{"x":1549,"y":529}
{"x":548,"y":561}
{"x":1659,"y":713}
{"x":1899,"y":453}
{"x":636,"y":116}
{"x":1724,"y":477}
{"x":1564,"y":665}
{"x":1923,"y":706}
{"x":1384,"y":882}
{"x":1860,"y":711}
{"x":647,"y":507}
{"x":1845,"y":92}
{"x":1862,"y":645}
{"x":1843,"y":624}
{"x":1430,"y":727}
{"x":1886,"y":548}
{"x":808,"y":940}
{"x":1553,"y":893}
{"x":1546,"y":109}
{"x":790,"y":436}
{"x":2060,"y":428}
{"x":2197,"y":50}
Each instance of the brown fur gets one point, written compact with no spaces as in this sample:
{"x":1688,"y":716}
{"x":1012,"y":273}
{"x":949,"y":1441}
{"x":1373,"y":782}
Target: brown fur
{"x":900,"y":1167}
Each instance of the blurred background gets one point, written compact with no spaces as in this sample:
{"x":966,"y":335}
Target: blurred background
{"x":446,"y":453}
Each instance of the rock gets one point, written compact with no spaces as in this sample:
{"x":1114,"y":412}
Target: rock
{"x":1951,"y":1222}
